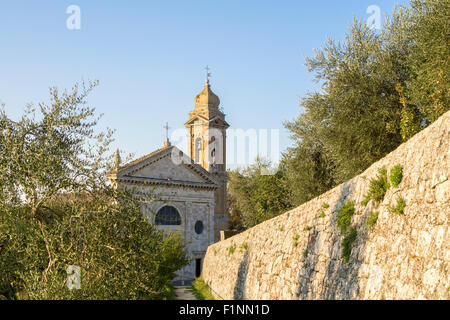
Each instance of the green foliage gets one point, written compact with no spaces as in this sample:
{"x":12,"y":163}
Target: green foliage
{"x":379,"y":186}
{"x":170,"y":292}
{"x":57,"y":210}
{"x":372,"y":219}
{"x":307,"y":228}
{"x":322,"y":214}
{"x":255,"y":196}
{"x":45,"y":151}
{"x":305,"y":254}
{"x":355,"y":118}
{"x":231,"y":249}
{"x":377,"y":90}
{"x":344,"y":216}
{"x":347,"y":244}
{"x":366,"y":200}
{"x":201,"y":289}
{"x":120,"y":254}
{"x":308,"y":167}
{"x":429,"y":33}
{"x":295,"y":238}
{"x":410,"y":121}
{"x":399,"y":208}
{"x":396,"y":175}
{"x":325,"y":205}
{"x":244,"y":246}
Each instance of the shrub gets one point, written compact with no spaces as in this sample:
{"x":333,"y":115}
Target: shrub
{"x":399,"y":208}
{"x":372,"y":219}
{"x":118,"y":253}
{"x":245,"y":246}
{"x":344,"y":217}
{"x":325,"y":206}
{"x":201,"y":289}
{"x":254,"y":196}
{"x":347,"y":244}
{"x":296,"y":240}
{"x":379,"y":186}
{"x":366,"y":200}
{"x":307,"y":228}
{"x":396,"y":175}
{"x":170,"y":292}
{"x":231,"y":250}
{"x":322,"y":214}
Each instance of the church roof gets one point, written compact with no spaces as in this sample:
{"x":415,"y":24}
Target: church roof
{"x":130,"y":172}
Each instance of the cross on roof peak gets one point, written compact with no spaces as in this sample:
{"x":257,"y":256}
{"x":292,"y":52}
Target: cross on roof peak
{"x":167,"y":130}
{"x":166,"y":142}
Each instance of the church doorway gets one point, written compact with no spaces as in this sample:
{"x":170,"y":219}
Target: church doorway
{"x":198,"y":267}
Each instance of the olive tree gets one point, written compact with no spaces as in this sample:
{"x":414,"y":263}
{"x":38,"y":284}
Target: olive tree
{"x":59,"y":214}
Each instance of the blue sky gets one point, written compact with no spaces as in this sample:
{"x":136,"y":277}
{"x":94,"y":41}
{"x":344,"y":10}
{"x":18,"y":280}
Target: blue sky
{"x":149,"y":57}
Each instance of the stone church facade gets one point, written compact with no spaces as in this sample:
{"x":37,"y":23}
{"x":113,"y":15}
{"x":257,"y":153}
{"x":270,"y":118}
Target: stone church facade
{"x":190,"y":189}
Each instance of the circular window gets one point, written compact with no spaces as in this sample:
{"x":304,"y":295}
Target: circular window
{"x":198,"y":227}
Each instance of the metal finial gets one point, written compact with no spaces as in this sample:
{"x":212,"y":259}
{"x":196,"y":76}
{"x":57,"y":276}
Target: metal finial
{"x":167,"y":130}
{"x":208,"y":74}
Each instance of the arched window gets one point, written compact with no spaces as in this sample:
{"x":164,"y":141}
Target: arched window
{"x":168,"y":216}
{"x":198,"y":149}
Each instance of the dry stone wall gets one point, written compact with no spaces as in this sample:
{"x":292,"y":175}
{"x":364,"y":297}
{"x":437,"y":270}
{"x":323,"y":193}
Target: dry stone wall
{"x":403,"y":256}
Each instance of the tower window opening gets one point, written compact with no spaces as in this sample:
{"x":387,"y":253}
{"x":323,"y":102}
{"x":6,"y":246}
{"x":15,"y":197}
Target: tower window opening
{"x":198,"y":149}
{"x":212,"y":145}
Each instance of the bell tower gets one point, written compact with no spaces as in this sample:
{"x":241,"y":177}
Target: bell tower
{"x":207,"y":146}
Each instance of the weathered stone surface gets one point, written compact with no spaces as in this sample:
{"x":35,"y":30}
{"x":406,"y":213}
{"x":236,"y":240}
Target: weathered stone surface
{"x":402,"y":257}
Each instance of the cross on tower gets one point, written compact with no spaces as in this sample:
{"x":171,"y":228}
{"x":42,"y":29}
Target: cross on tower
{"x":208,"y":74}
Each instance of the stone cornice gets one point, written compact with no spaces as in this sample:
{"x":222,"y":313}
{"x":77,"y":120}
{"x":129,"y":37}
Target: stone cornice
{"x":194,"y":116}
{"x":166,"y":182}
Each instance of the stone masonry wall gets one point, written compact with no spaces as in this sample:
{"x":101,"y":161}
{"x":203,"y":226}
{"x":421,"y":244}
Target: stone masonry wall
{"x":298,"y":255}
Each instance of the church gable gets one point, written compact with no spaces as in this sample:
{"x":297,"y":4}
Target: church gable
{"x":164,"y":167}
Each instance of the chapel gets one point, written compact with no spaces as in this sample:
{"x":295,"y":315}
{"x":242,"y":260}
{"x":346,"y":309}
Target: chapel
{"x":190,"y":189}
